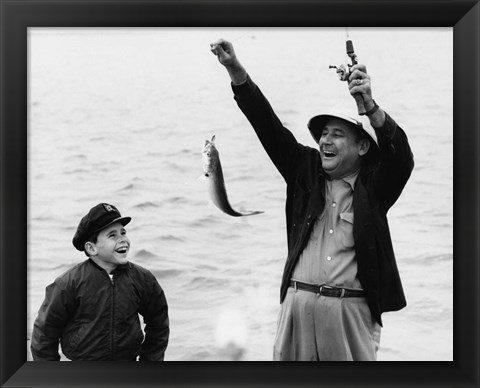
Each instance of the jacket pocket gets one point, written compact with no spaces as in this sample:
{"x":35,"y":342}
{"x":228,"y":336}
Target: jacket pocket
{"x":72,"y":338}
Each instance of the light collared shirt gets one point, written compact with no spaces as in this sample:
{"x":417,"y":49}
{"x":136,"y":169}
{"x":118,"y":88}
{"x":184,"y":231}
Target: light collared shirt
{"x":329,"y":256}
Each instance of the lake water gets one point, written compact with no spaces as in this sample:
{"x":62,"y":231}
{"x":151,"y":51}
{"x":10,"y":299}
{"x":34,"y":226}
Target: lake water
{"x":121,"y":116}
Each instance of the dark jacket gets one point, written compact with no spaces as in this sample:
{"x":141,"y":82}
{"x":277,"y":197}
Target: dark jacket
{"x":96,"y":318}
{"x":378,"y":187}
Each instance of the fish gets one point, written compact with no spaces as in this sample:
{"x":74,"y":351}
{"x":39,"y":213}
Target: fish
{"x":212,"y":169}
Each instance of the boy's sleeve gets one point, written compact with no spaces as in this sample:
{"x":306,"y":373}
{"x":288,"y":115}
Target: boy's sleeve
{"x":154,"y":310}
{"x":52,"y":318}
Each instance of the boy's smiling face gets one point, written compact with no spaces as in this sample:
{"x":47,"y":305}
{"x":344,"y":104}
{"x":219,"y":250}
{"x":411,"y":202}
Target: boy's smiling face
{"x":111,"y":248}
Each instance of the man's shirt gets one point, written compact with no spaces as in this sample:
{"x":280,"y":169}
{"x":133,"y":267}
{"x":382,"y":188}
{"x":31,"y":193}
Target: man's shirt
{"x":329,"y":256}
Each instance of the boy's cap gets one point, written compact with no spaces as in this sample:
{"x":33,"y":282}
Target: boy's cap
{"x":317,"y":123}
{"x":98,"y":218}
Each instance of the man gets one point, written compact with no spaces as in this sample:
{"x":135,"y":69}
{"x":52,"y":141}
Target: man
{"x":340,"y":274}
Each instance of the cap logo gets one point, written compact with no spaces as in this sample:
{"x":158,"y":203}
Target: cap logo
{"x":109,"y":208}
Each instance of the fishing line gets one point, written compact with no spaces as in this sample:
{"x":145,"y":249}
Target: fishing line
{"x":241,"y":36}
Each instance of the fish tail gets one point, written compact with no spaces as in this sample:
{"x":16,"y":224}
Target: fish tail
{"x":252,"y":213}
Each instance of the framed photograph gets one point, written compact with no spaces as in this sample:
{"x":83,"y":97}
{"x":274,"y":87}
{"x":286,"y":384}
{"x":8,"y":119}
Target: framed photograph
{"x":112,"y":101}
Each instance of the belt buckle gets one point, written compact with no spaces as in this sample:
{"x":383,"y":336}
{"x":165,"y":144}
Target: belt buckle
{"x":324,"y":287}
{"x":321,"y":287}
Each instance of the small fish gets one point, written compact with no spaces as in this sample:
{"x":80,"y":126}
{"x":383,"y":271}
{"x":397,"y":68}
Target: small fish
{"x":216,"y":185}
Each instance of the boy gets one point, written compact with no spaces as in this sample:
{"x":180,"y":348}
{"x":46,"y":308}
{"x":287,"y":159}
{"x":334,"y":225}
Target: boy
{"x":92,"y":309}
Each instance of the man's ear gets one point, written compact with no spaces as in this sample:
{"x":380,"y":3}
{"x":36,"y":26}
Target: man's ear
{"x":364,"y":147}
{"x":90,"y":248}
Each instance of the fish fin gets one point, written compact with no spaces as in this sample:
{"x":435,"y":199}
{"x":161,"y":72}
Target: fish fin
{"x":212,"y":208}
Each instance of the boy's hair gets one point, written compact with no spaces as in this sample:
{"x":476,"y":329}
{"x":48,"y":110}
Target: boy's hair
{"x":93,"y":238}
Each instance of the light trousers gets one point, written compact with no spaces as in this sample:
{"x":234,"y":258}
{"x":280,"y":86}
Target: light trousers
{"x":311,"y":327}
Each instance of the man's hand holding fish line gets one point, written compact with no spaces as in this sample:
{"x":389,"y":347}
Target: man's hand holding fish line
{"x":227,"y":57}
{"x":340,"y":273}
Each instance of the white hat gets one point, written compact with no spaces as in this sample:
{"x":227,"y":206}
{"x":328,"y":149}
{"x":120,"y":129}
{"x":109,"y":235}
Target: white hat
{"x":317,"y":123}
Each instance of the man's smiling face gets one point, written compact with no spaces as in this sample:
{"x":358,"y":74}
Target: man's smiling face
{"x":341,"y":149}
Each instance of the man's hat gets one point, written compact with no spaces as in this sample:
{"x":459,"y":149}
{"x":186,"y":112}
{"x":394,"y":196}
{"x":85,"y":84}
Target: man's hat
{"x":317,"y":123}
{"x":98,"y":218}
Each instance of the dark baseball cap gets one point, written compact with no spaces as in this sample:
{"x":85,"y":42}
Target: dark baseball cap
{"x":98,"y":218}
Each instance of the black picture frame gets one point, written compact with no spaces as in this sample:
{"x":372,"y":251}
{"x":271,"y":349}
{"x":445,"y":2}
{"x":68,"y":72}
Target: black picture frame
{"x":18,"y":15}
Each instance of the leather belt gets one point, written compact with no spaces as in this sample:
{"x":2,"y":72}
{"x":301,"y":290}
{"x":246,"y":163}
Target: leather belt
{"x":336,"y":292}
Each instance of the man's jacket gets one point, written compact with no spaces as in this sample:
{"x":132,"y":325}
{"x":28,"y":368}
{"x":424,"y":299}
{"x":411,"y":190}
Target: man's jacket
{"x":96,"y":318}
{"x":377,"y":188}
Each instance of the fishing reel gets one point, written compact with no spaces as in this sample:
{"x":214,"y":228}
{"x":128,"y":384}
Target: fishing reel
{"x":343,"y":70}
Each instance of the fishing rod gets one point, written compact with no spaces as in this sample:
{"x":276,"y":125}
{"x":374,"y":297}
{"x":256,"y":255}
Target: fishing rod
{"x":344,"y":70}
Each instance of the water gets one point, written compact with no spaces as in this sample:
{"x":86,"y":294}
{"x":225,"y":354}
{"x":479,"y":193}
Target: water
{"x":121,"y":115}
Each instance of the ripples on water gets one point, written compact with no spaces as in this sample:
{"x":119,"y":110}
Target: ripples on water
{"x":122,"y":116}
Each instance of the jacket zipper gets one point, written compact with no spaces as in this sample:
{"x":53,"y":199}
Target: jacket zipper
{"x":112,"y":315}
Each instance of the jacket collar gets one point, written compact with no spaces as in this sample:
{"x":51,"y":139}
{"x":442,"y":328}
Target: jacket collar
{"x":119,"y":268}
{"x":351,"y":179}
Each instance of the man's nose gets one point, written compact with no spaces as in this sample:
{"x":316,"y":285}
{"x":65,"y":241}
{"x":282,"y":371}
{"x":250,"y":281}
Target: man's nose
{"x":326,"y":139}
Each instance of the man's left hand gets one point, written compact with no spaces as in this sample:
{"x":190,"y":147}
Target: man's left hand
{"x":359,"y":84}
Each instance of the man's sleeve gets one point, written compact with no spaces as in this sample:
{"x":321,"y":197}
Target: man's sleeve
{"x":396,"y":162}
{"x":279,"y":143}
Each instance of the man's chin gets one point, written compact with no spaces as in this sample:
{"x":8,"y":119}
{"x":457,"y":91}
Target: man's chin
{"x":329,"y":166}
